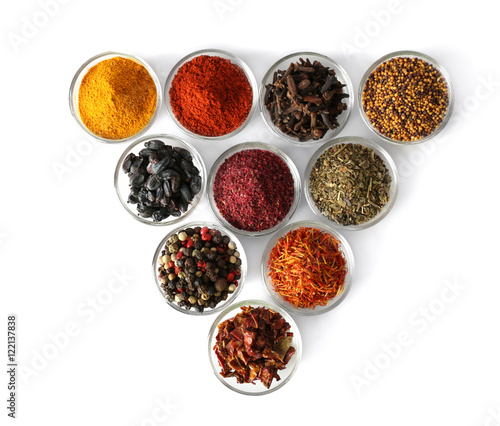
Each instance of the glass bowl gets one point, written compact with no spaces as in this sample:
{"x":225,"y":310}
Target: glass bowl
{"x":407,"y":54}
{"x":122,"y":180}
{"x":346,"y":252}
{"x":258,"y":388}
{"x":222,"y":304}
{"x":75,"y":88}
{"x":222,"y":54}
{"x":242,"y":147}
{"x":283,"y":64}
{"x":389,"y":163}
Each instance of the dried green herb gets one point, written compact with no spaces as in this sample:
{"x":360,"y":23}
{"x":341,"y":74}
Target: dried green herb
{"x":349,"y":183}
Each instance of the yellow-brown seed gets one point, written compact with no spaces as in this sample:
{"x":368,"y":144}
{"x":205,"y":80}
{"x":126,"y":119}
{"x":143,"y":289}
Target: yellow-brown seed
{"x":405,"y":99}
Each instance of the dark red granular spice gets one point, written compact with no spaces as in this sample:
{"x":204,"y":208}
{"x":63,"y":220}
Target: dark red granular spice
{"x":254,"y":190}
{"x":210,"y":96}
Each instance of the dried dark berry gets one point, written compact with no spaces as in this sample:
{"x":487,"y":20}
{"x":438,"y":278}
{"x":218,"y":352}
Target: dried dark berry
{"x":162,"y":178}
{"x":136,"y":164}
{"x":137,"y":178}
{"x":127,"y":162}
{"x":155,"y":144}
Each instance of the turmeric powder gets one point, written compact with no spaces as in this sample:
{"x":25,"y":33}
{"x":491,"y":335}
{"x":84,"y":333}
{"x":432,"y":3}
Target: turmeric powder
{"x":117,"y":98}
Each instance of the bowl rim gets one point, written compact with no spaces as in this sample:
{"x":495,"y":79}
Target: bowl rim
{"x":244,"y":266}
{"x":235,"y":60}
{"x":389,"y":163}
{"x":255,"y":303}
{"x":346,"y":251}
{"x":248,"y":146}
{"x":340,"y":72}
{"x":81,"y":72}
{"x":196,"y":156}
{"x":410,"y":54}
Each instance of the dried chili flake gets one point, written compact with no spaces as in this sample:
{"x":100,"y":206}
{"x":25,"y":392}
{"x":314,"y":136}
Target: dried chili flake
{"x":254,"y":345}
{"x":307,"y":267}
{"x":254,"y":190}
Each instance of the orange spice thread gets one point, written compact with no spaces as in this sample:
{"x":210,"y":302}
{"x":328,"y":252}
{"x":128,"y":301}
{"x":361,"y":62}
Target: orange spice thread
{"x":307,"y":268}
{"x":117,"y":98}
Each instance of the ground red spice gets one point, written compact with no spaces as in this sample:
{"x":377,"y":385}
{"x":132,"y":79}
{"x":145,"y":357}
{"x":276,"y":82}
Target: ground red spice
{"x":254,"y":190}
{"x":210,"y":96}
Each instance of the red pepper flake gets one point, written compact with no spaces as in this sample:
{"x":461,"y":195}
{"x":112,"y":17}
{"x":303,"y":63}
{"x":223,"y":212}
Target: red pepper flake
{"x":254,"y":345}
{"x":307,"y":267}
{"x":254,"y":189}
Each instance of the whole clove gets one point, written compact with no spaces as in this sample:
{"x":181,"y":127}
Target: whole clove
{"x":305,"y":100}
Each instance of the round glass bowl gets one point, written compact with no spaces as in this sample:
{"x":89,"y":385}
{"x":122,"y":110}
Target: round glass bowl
{"x":75,"y":88}
{"x":389,"y":163}
{"x":258,"y":388}
{"x":346,"y":252}
{"x":224,"y":55}
{"x":231,"y":296}
{"x":282,"y":65}
{"x":407,"y":54}
{"x":122,"y":179}
{"x":249,"y":146}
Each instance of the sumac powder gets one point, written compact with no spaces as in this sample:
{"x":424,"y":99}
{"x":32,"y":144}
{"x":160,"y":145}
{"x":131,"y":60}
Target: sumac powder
{"x":210,"y":96}
{"x":254,"y":190}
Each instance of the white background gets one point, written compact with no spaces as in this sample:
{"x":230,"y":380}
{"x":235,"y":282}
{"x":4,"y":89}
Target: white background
{"x":64,"y":234}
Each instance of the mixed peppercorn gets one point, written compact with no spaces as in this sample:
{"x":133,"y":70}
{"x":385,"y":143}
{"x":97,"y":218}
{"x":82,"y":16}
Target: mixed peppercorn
{"x":199,"y":268}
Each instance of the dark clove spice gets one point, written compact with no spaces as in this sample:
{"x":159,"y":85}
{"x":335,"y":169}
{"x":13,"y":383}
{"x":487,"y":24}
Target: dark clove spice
{"x":305,"y":100}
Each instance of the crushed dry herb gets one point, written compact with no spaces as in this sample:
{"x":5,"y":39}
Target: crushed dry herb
{"x":350,"y":184}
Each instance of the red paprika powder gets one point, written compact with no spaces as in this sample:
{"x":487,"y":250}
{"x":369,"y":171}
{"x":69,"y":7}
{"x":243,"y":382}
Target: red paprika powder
{"x":210,"y":96}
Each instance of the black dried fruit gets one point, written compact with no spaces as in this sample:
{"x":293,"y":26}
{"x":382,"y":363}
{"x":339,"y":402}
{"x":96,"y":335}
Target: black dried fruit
{"x":185,"y":193}
{"x":132,"y":199}
{"x":157,"y":216}
{"x":153,"y":182}
{"x":136,"y":164}
{"x":127,"y":162}
{"x":146,"y":152}
{"x":167,"y":189}
{"x":184,"y":153}
{"x":163,"y":180}
{"x":161,"y":165}
{"x":137,"y":178}
{"x":195,"y":185}
{"x":154,"y":144}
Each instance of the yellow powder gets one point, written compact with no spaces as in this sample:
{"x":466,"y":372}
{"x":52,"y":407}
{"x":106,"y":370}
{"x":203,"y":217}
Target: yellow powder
{"x":117,"y":98}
